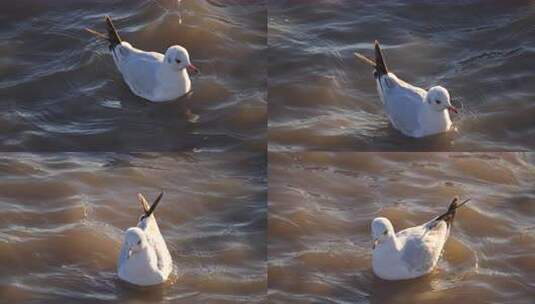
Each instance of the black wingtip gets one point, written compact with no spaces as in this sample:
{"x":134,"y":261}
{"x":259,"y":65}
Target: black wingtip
{"x":450,"y":214}
{"x":453,"y":204}
{"x":154,"y":204}
{"x":380,"y":65}
{"x":113,"y":36}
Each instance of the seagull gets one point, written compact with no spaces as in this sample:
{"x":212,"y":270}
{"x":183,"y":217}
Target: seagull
{"x":413,"y":111}
{"x":144,"y":259}
{"x":412,"y":252}
{"x":150,"y":75}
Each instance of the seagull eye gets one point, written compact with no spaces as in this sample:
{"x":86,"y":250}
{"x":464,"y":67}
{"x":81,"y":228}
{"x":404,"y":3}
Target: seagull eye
{"x":178,"y":61}
{"x":437,"y":101}
{"x":139,"y":242}
{"x":385,"y":232}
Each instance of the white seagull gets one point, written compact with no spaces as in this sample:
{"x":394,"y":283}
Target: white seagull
{"x":144,"y":259}
{"x":412,"y":252}
{"x":150,"y":75}
{"x":413,"y":111}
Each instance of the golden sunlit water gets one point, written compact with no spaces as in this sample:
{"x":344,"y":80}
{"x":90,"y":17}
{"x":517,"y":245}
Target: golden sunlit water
{"x":322,"y":98}
{"x":63,"y":217}
{"x":321,"y":206}
{"x":276,"y":163}
{"x":61,"y":91}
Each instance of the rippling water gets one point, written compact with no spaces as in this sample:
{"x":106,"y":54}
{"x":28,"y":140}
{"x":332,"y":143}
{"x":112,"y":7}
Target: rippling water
{"x":62,"y":214}
{"x":321,"y":98}
{"x":62,"y":218}
{"x":60,"y":91}
{"x":321,"y":205}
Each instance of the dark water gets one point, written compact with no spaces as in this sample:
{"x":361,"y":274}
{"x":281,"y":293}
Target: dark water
{"x":321,"y":206}
{"x":282,"y":71}
{"x":322,"y":98}
{"x":62,"y":217}
{"x":60,"y":91}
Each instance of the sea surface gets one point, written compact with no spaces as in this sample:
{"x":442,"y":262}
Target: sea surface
{"x":60,"y":90}
{"x":321,"y":205}
{"x":62,"y":218}
{"x":322,"y":98}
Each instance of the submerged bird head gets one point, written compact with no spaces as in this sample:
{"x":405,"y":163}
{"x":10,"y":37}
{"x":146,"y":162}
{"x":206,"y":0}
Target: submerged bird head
{"x":439,"y":99}
{"x":135,"y":240}
{"x":178,"y":58}
{"x":381,"y":230}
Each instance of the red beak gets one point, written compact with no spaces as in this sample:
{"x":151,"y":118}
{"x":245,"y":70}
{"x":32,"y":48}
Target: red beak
{"x":192,"y":69}
{"x":453,"y":109}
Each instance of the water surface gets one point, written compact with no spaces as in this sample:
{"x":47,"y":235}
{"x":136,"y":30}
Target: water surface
{"x":322,"y":98}
{"x":60,"y":90}
{"x":63,"y":216}
{"x":321,"y":206}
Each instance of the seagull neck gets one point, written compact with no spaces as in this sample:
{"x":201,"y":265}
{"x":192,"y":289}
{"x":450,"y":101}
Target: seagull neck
{"x":147,"y":256}
{"x":393,"y":242}
{"x":439,"y":119}
{"x":175,"y":77}
{"x":173,"y":83}
{"x":171,"y":70}
{"x":142,"y":268}
{"x":429,"y":108}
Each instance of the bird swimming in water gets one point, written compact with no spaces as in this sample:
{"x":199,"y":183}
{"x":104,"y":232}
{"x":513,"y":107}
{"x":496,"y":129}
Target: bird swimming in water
{"x":413,"y":111}
{"x":412,"y":252}
{"x":153,"y":76}
{"x":144,"y":259}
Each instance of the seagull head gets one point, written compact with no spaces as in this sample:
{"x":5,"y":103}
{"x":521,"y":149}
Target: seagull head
{"x":135,"y":240}
{"x":177,"y":58}
{"x":382,"y":229}
{"x":439,"y":99}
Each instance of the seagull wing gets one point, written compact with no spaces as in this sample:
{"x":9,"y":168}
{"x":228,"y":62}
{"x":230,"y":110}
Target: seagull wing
{"x":402,"y":102}
{"x":141,"y":74}
{"x":414,"y":254}
{"x":422,"y":246}
{"x":155,"y":239}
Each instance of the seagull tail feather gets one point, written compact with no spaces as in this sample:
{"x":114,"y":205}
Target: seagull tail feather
{"x":449,"y":215}
{"x":113,"y":36}
{"x":380,"y":65}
